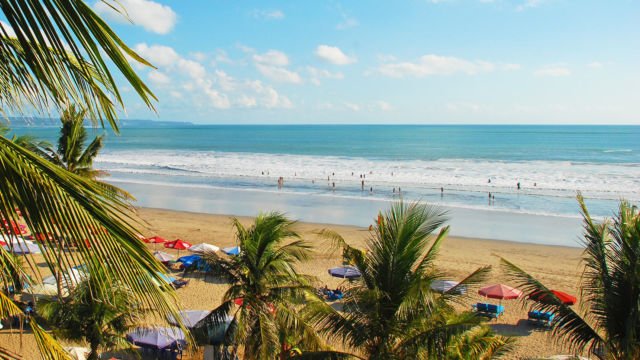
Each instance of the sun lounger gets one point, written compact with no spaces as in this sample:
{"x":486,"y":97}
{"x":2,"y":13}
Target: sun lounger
{"x":179,"y":283}
{"x":541,"y":318}
{"x":488,"y":310}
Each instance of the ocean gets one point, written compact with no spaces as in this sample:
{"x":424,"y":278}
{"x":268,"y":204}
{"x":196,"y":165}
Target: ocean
{"x":469,"y":169}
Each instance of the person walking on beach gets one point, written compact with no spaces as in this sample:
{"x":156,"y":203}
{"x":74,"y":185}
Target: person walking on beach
{"x":518,"y":185}
{"x":362,"y":185}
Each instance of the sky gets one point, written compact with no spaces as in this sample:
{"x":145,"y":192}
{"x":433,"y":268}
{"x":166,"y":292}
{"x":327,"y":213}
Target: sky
{"x":392,"y":62}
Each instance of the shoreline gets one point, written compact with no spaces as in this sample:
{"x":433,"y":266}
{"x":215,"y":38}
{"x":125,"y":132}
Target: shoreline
{"x":321,"y":225}
{"x":320,"y":208}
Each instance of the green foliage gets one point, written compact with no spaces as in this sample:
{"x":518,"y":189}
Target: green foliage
{"x":265,"y":279}
{"x":101,"y":317}
{"x":391,"y":312}
{"x":609,"y":328}
{"x":73,"y":154}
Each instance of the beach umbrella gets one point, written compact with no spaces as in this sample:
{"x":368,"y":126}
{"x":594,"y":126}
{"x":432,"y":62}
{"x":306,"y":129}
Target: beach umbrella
{"x":189,"y":317}
{"x":159,"y":338}
{"x":45,"y":290}
{"x":189,"y":259}
{"x":162,"y":256}
{"x":345,"y":272}
{"x":203,"y":248}
{"x":177,"y":244}
{"x":22,"y":247}
{"x":70,"y":277}
{"x":542,"y":297}
{"x":154,"y":240}
{"x":442,"y":286}
{"x":500,"y":291}
{"x":234,"y":250}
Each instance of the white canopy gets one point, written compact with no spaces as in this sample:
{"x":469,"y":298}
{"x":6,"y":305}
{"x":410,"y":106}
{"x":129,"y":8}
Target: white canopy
{"x":45,"y":290}
{"x":72,"y":276}
{"x":19,"y":245}
{"x":204,"y":248}
{"x":163,"y":256}
{"x":442,"y":286}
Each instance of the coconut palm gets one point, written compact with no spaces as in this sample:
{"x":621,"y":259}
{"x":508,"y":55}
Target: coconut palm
{"x":610,"y":289}
{"x":266,"y":290}
{"x":73,"y":154}
{"x":391,"y":312}
{"x":55,"y":53}
{"x":101,"y":318}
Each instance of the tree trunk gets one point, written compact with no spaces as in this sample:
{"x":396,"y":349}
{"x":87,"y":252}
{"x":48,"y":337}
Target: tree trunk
{"x":93,"y":355}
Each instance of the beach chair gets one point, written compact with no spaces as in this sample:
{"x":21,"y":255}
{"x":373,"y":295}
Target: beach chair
{"x":540,"y":318}
{"x":488,"y":310}
{"x":177,"y":284}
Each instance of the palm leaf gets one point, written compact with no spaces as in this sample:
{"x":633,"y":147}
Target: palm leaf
{"x":58,"y":57}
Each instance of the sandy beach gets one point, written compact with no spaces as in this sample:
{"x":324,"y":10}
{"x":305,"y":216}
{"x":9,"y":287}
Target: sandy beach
{"x":556,"y":266}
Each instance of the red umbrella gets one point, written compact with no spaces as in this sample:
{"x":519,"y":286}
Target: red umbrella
{"x":500,"y":291}
{"x":542,"y":297}
{"x":154,"y":240}
{"x":177,"y":244}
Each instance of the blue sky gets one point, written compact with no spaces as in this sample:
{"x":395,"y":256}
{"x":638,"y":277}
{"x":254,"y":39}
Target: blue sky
{"x":444,"y":61}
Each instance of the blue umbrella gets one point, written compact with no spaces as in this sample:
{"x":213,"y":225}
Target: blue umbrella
{"x":159,"y":338}
{"x":232,"y":250}
{"x":189,"y":260}
{"x":345,"y":272}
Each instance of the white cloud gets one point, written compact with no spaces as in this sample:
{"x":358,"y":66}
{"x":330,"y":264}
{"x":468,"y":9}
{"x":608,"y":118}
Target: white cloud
{"x":272,"y":58}
{"x":271,"y":98}
{"x":511,"y":67}
{"x":279,"y":74}
{"x":217,"y":89}
{"x":192,"y":68}
{"x":158,"y":55}
{"x":152,"y":16}
{"x":352,"y":106}
{"x":272,"y":65}
{"x":553,"y":71}
{"x":384,"y":106}
{"x":333,"y":55}
{"x":158,"y":78}
{"x":268,"y":14}
{"x":316,"y":75}
{"x":528,"y":4}
{"x":347,"y":23}
{"x":198,"y":56}
{"x":435,"y":65}
{"x":595,"y":65}
{"x":221,"y":57}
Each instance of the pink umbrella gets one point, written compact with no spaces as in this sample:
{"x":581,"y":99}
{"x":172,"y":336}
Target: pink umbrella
{"x":500,"y":291}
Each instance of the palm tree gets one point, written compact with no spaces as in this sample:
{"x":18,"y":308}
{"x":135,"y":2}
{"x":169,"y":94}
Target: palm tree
{"x":72,"y":153}
{"x":610,"y":289}
{"x":101,"y":319}
{"x":266,"y":290}
{"x":55,"y":53}
{"x":391,"y":312}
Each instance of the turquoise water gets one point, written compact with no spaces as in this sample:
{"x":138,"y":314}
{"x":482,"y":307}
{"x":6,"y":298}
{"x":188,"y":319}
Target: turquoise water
{"x":551,"y":163}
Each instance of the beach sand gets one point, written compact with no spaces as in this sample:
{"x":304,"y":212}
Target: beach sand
{"x":557,"y":267}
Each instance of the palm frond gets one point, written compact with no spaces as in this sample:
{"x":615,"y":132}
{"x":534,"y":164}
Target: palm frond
{"x":567,"y":325}
{"x":59,"y":56}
